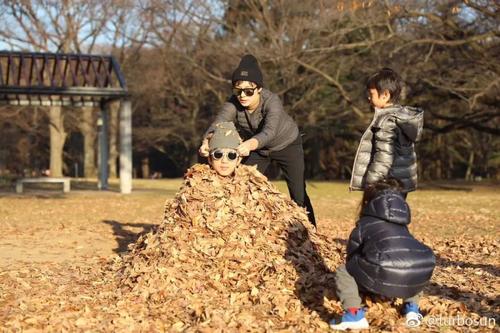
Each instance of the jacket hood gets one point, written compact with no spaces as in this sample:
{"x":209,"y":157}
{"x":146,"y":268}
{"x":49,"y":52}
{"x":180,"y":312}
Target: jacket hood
{"x":411,"y":122}
{"x":389,"y":206}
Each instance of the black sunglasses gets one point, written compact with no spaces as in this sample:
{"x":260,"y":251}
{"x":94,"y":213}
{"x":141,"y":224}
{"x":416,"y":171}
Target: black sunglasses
{"x":246,"y":91}
{"x":219,"y":154}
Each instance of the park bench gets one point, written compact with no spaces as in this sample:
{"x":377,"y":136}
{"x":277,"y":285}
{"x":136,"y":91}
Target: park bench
{"x":64,"y":181}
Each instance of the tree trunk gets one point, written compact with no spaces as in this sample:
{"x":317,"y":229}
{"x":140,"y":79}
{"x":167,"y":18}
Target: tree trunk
{"x":88,"y":130}
{"x":470,"y":164}
{"x":114,"y":108}
{"x":439,"y":165}
{"x":57,"y":138}
{"x":145,"y":167}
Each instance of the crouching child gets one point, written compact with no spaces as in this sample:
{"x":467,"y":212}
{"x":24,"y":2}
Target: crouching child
{"x":383,"y":258}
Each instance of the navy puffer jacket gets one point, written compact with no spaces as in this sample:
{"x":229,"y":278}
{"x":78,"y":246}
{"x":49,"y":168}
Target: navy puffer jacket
{"x":382,"y":255}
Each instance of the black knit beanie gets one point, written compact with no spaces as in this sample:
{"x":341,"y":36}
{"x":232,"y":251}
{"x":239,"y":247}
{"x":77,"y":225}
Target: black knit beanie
{"x":248,"y":70}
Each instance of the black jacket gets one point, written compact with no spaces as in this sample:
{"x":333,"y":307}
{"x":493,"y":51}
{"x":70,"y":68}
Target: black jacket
{"x":386,"y":149}
{"x":382,"y":255}
{"x":273,"y":128}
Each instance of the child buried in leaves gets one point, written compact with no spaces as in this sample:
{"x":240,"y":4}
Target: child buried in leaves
{"x":218,"y":258}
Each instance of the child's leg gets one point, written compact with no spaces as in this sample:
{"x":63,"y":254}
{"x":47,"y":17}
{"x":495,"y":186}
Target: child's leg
{"x":353,"y":317}
{"x":347,"y":289}
{"x":411,"y":309}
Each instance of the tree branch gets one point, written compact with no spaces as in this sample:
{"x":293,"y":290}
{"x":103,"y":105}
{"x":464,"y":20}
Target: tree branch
{"x":336,"y":83}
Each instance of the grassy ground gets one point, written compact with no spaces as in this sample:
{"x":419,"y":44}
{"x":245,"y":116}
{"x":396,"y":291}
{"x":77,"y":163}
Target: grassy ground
{"x":461,"y":221}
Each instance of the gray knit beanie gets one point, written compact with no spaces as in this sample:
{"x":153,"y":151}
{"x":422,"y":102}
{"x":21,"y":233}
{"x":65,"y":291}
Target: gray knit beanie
{"x":224,"y":135}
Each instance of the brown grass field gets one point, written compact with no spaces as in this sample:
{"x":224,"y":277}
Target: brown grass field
{"x":42,"y":228}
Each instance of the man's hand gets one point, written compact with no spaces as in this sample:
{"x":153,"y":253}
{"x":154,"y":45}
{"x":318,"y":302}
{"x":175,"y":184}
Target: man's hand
{"x":204,"y":149}
{"x":246,"y":147}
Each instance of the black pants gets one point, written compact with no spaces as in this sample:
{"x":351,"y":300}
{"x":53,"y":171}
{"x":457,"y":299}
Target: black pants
{"x":291,"y":162}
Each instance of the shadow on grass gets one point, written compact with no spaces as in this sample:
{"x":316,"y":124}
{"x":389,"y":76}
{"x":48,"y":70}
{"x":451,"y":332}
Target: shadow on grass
{"x":316,"y":280}
{"x":91,"y":185}
{"x":30,"y":191}
{"x":444,"y":262}
{"x":477,"y":303}
{"x":54,"y":191}
{"x":33,"y":195}
{"x":124,"y":237}
{"x":87,"y":185}
{"x":49,"y":190}
{"x":444,"y":187}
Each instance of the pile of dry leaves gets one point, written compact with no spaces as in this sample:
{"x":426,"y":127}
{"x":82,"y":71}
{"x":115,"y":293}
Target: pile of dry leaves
{"x":231,"y":254}
{"x":228,"y":254}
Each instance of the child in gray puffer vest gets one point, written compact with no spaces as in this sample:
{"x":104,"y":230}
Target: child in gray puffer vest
{"x":383,"y":258}
{"x":387,"y":147}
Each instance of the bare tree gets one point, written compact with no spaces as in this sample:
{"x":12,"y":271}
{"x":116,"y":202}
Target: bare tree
{"x":69,"y":26}
{"x":178,"y":57}
{"x":21,"y":140}
{"x":55,"y":26}
{"x":318,"y":55}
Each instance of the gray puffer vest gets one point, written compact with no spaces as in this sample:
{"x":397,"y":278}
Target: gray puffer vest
{"x":387,"y":148}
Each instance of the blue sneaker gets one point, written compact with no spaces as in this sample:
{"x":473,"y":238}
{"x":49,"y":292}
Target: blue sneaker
{"x":352,"y":319}
{"x":412,"y":314}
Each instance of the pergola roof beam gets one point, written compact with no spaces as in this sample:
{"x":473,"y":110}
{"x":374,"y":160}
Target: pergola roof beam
{"x":77,"y":91}
{"x":47,"y":74}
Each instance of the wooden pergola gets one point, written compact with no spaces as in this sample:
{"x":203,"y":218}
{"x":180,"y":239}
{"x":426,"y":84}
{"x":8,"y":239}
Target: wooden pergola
{"x":77,"y":80}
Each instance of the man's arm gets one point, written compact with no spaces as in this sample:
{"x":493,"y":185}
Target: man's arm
{"x":226,"y":113}
{"x":273,"y":113}
{"x":246,"y":147}
{"x":384,"y":151}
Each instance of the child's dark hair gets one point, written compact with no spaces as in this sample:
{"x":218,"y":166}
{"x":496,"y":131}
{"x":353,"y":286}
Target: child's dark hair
{"x":386,"y":79}
{"x":372,"y":190}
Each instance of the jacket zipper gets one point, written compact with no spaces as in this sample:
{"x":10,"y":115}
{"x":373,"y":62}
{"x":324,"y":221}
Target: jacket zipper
{"x":375,"y":116}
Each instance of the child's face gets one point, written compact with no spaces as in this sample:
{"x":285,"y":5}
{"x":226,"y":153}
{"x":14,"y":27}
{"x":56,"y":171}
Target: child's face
{"x":243,"y":89}
{"x":224,"y":161}
{"x":379,"y":100}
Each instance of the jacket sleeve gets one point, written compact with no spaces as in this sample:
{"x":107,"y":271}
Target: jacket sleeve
{"x":226,"y":113}
{"x":274,"y":113}
{"x":355,"y":241}
{"x":384,"y":151}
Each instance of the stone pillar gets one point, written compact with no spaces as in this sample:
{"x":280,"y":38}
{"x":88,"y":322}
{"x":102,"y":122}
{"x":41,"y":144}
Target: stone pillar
{"x":57,"y":139}
{"x":126,"y":146}
{"x":102,"y":125}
